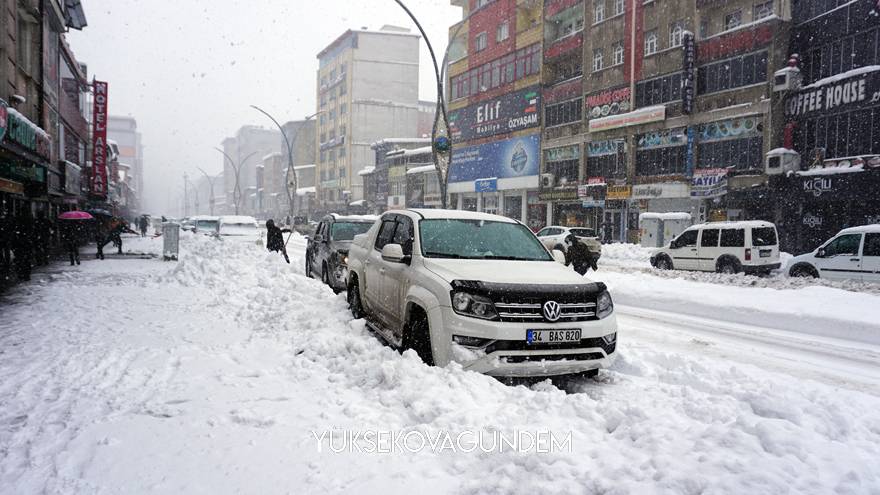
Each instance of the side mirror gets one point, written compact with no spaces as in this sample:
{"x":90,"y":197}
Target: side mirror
{"x":307,"y":237}
{"x":393,"y":253}
{"x":820,"y":253}
{"x":319,"y":238}
{"x":559,"y":256}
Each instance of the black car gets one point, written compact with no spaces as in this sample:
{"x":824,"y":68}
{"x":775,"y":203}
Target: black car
{"x":327,"y":250}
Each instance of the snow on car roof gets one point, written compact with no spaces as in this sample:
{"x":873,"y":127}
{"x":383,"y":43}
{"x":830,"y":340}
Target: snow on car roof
{"x":204,"y":217}
{"x":739,"y":224}
{"x":861,"y":229}
{"x":237,"y":219}
{"x":430,"y":213}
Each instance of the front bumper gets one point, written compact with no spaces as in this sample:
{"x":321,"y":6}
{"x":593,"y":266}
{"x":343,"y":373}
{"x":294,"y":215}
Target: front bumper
{"x":507,"y":355}
{"x":750,"y":269}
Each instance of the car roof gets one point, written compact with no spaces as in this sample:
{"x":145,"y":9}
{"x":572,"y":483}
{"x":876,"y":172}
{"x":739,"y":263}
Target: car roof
{"x":733,"y":225}
{"x":861,"y":229}
{"x":432,"y":213}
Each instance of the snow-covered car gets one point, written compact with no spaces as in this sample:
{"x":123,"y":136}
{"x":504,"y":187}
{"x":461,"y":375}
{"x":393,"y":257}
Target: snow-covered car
{"x":724,"y":247}
{"x":327,"y":249}
{"x":553,"y":237}
{"x":186,"y":224}
{"x":480,"y":290}
{"x":240,"y":228}
{"x":206,"y":224}
{"x":853,"y":254}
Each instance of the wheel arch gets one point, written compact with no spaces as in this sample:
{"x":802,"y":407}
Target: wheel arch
{"x":728,"y":258}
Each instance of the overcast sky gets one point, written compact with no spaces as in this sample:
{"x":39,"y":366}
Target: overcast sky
{"x":188,"y":70}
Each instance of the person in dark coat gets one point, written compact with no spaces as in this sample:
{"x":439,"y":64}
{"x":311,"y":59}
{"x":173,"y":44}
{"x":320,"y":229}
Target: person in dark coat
{"x":578,"y":255}
{"x":143,"y":224}
{"x":42,"y":239}
{"x":102,"y":236}
{"x":275,"y":239}
{"x":117,"y":227}
{"x":22,"y":245}
{"x":70,"y":233}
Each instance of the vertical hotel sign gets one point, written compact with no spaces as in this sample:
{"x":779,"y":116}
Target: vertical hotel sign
{"x":99,"y":141}
{"x":688,"y":79}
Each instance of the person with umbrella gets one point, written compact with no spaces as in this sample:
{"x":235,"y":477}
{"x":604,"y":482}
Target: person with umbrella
{"x":71,"y":232}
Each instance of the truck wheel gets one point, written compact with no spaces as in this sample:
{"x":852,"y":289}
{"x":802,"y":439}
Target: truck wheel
{"x":354,"y":299}
{"x":418,"y":337}
{"x":728,"y":266}
{"x":664,"y":263}
{"x":803,"y":270}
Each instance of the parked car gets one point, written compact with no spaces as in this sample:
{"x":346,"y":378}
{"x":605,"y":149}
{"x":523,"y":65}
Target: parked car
{"x":205,"y":224}
{"x":724,"y":247}
{"x":186,"y":224}
{"x":240,"y":228}
{"x":853,"y":254}
{"x":553,"y":237}
{"x":481,"y":290}
{"x":327,"y":249}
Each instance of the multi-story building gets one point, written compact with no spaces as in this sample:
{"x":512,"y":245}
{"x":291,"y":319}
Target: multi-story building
{"x":494,"y":100}
{"x":303,"y":141}
{"x":379,"y":195}
{"x":124,"y":131}
{"x":245,"y":150}
{"x":367,"y":90}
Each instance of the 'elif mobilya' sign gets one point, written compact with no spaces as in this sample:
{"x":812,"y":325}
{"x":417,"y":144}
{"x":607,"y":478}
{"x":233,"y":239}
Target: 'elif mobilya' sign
{"x":98,"y":179}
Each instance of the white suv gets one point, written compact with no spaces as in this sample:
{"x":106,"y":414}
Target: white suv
{"x":480,"y":290}
{"x":853,"y":254}
{"x":725,"y":247}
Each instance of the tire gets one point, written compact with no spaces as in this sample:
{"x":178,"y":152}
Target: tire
{"x":325,"y":275}
{"x":418,"y":338}
{"x":728,"y":266}
{"x":309,"y":267}
{"x":354,"y":299}
{"x":664,"y":263}
{"x":803,"y":270}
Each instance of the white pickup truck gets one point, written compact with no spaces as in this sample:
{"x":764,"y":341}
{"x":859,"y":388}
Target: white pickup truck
{"x":480,"y":290}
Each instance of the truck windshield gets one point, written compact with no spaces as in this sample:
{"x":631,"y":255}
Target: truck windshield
{"x":479,"y":239}
{"x":345,"y":231}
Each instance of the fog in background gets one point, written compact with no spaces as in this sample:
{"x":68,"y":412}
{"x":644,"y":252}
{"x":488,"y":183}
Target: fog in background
{"x":188,"y":70}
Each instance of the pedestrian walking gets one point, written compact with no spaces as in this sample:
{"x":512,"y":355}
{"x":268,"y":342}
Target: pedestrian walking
{"x":70,"y":237}
{"x":578,"y":255}
{"x":275,"y":239}
{"x":102,"y":236}
{"x":117,"y":227}
{"x":42,"y":233}
{"x":143,"y":224}
{"x":22,"y":245}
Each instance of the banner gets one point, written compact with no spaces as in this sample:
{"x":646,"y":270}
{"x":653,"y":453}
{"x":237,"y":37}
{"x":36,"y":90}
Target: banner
{"x":709,"y":183}
{"x":515,"y":157}
{"x":98,"y":179}
{"x":507,"y":113}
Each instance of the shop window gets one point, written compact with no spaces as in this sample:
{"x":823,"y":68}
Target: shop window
{"x":661,"y":161}
{"x":563,"y":113}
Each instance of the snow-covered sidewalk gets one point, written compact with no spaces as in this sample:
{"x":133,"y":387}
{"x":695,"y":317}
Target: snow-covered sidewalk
{"x":214,"y":374}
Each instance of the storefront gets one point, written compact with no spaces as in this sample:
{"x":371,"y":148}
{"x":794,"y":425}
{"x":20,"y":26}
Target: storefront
{"x":24,"y":154}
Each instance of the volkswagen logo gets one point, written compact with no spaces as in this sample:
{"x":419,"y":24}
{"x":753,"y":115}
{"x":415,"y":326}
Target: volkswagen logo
{"x":552,"y":311}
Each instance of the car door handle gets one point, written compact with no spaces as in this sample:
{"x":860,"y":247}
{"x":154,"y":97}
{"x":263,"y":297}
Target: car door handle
{"x":381,"y":271}
{"x":854,"y":259}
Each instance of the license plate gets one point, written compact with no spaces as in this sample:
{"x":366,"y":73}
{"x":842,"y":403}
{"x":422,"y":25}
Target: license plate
{"x":553,"y":336}
{"x":765,"y":253}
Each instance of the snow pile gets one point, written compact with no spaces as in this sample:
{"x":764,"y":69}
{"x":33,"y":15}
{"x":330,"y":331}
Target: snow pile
{"x":625,"y":254}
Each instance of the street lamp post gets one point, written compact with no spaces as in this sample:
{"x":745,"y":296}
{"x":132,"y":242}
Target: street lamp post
{"x":185,"y":200}
{"x":236,"y":191}
{"x":290,"y":180}
{"x":211,"y":180}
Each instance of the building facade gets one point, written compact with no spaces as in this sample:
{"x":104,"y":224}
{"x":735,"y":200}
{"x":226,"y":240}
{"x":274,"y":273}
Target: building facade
{"x":124,"y":132}
{"x":367,"y":90}
{"x":379,"y":195}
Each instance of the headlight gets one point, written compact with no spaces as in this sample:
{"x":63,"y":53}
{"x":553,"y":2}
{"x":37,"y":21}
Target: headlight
{"x":604,"y":305}
{"x":342,"y":257}
{"x":471,"y":305}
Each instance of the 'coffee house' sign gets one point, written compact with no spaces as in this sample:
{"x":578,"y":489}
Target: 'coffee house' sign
{"x":835,"y":96}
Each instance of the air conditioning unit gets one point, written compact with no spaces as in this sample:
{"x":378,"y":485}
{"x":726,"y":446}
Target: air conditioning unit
{"x":789,"y":78}
{"x":781,"y":161}
{"x":547,"y":181}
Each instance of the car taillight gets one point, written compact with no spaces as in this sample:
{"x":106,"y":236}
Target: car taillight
{"x":748,"y":255}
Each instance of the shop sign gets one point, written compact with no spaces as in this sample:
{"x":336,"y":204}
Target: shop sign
{"x":838,"y":95}
{"x":22,"y":131}
{"x":508,"y":158}
{"x":589,"y":189}
{"x":562,"y":154}
{"x":618,"y":192}
{"x":11,"y":187}
{"x":661,"y":190}
{"x":507,"y":113}
{"x":486,"y":185}
{"x":611,"y":102}
{"x":660,"y":139}
{"x":636,"y":117}
{"x":729,"y":129}
{"x":607,"y":147}
{"x":709,"y":183}
{"x":98,"y":179}
{"x":593,"y":203}
{"x":688,"y":76}
{"x":812,"y":221}
{"x":817,"y":186}
{"x":689,"y":152}
{"x":564,"y":195}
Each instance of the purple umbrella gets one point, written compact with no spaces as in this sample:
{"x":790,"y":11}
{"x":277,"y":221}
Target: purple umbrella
{"x":75,"y":215}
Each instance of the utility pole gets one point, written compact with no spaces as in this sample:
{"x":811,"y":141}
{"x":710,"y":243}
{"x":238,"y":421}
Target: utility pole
{"x":211,"y":180}
{"x":185,"y":200}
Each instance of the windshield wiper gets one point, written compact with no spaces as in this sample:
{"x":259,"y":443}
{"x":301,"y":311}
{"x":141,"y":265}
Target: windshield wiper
{"x":434,"y":254}
{"x":514,"y":258}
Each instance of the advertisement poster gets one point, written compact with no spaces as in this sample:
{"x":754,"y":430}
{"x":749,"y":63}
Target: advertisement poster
{"x":515,"y":157}
{"x":709,"y":183}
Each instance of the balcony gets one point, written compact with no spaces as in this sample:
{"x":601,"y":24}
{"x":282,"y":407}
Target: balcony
{"x":553,"y":7}
{"x":564,"y":45}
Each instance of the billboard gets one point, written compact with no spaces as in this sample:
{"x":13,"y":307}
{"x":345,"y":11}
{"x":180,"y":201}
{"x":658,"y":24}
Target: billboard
{"x":507,"y":113}
{"x":514,"y":157}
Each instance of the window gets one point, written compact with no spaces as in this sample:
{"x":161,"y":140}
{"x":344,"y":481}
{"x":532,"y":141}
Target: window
{"x":343,"y":108}
{"x":763,"y":236}
{"x":733,"y":20}
{"x":512,"y":67}
{"x":688,"y":238}
{"x":743,"y":154}
{"x":651,"y":43}
{"x":481,"y":41}
{"x":404,"y":234}
{"x":386,"y":232}
{"x":709,"y":238}
{"x":599,"y":11}
{"x":733,"y":238}
{"x":704,"y":28}
{"x":844,"y":245}
{"x":661,"y":153}
{"x":619,"y":6}
{"x":563,"y":113}
{"x":762,"y":10}
{"x":872,"y":245}
{"x":617,"y":53}
{"x":567,"y":69}
{"x":503,"y":31}
{"x":732,"y":73}
{"x":606,"y":159}
{"x":676,"y":29}
{"x":658,"y":91}
{"x":597,"y":60}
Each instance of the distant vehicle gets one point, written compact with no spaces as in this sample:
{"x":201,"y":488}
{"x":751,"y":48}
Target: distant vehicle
{"x":480,"y":290}
{"x":206,"y":224}
{"x":327,"y":250}
{"x":553,"y":237}
{"x":239,"y":227}
{"x":853,"y":254}
{"x":186,"y":223}
{"x":724,"y":247}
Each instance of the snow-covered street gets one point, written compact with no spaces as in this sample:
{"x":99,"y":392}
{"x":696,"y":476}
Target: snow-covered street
{"x":216,"y":373}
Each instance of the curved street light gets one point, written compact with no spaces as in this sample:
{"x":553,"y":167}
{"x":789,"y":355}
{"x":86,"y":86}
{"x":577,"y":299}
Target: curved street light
{"x":211,"y":180}
{"x":236,"y":191}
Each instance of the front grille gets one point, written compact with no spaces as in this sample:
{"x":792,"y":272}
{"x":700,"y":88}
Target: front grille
{"x":590,"y":356}
{"x":521,"y":345}
{"x":533,"y":312}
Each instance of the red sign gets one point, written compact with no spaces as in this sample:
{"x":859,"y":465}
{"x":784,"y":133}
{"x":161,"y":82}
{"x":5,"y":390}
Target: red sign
{"x":99,"y":141}
{"x":734,"y":43}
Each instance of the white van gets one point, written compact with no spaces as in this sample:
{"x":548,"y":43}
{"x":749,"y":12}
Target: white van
{"x":853,"y":254}
{"x":724,"y":247}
